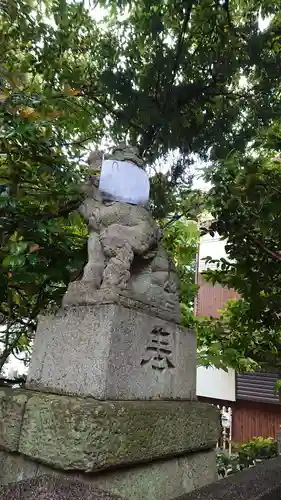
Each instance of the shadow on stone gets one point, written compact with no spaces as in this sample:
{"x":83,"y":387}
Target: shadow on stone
{"x":262,"y":482}
{"x":47,"y":488}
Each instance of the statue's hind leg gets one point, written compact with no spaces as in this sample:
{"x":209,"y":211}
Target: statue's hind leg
{"x":93,"y":271}
{"x":117,"y":271}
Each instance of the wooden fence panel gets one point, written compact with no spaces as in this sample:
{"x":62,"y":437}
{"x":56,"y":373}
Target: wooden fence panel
{"x":251,"y":420}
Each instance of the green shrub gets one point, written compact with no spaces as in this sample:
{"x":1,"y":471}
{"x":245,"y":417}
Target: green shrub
{"x":257,"y":449}
{"x":246,"y":455}
{"x":226,"y":464}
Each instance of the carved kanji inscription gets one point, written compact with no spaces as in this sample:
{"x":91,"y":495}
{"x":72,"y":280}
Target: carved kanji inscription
{"x":159,"y":350}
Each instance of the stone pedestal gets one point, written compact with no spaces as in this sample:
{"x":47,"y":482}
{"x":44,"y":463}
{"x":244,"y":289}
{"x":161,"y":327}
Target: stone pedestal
{"x":112,"y":352}
{"x":154,"y":450}
{"x":110,"y":401}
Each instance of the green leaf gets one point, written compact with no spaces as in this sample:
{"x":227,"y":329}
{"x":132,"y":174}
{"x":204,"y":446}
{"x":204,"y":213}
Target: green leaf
{"x":277,"y":386}
{"x":6,"y":261}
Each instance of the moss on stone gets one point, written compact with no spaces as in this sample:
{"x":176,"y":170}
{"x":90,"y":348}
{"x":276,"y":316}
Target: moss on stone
{"x":12,"y":406}
{"x":82,"y":434}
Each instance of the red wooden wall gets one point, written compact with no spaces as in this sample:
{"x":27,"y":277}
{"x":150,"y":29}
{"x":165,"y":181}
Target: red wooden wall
{"x":211,"y":298}
{"x":254,"y":419}
{"x":250,"y":419}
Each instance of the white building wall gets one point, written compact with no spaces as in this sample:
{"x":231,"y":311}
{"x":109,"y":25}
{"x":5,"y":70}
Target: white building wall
{"x":216,"y":384}
{"x":210,"y":247}
{"x":211,"y":382}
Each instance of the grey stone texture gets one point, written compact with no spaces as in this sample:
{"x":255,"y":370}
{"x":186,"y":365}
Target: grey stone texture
{"x":124,"y":249}
{"x":158,"y":480}
{"x":80,"y":293}
{"x":12,"y":406}
{"x":48,"y":488}
{"x":15,"y":467}
{"x":116,"y":374}
{"x":262,"y":482}
{"x":161,"y":480}
{"x":112,"y":352}
{"x":78,"y":434}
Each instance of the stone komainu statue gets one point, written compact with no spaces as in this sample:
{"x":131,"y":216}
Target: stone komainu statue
{"x":124,"y":252}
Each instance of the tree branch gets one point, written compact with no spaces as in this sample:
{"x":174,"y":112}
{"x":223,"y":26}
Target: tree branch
{"x":180,"y":43}
{"x":62,"y":212}
{"x":9,"y":349}
{"x":275,"y":255}
{"x":36,"y":308}
{"x":153,"y":131}
{"x":118,"y":114}
{"x":232,"y":28}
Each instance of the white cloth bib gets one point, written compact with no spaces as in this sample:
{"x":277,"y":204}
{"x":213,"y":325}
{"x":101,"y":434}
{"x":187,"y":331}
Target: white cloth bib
{"x":124,"y":181}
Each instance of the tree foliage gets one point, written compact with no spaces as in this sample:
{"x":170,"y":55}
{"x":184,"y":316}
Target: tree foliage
{"x":247,"y":207}
{"x":42,"y":240}
{"x":181,"y":241}
{"x":162,"y":75}
{"x":184,"y":61}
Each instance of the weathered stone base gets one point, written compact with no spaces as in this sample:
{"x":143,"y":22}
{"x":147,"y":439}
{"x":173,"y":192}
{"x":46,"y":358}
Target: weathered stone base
{"x":155,"y":450}
{"x":159,"y":480}
{"x":71,"y":433}
{"x":81,"y":293}
{"x":112,"y":352}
